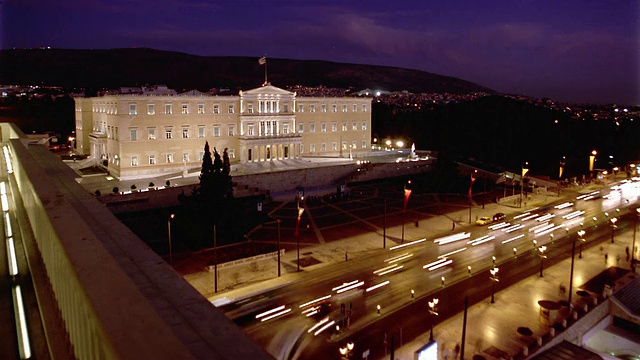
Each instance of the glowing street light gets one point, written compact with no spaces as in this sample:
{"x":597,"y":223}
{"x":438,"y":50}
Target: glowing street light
{"x":172,"y":216}
{"x":613,"y":227}
{"x":581,"y":235}
{"x":433,"y":310}
{"x":542,"y":249}
{"x":494,"y":280}
{"x":347,"y":350}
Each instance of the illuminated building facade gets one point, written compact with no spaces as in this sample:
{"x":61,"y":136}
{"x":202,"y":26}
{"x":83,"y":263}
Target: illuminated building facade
{"x":140,"y":136}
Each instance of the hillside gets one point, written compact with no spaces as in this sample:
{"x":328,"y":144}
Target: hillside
{"x":95,"y":69}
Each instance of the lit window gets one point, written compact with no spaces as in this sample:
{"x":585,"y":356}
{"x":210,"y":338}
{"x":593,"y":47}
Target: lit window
{"x":364,"y":107}
{"x":231,"y":131}
{"x":364,"y":144}
{"x":364,"y":125}
{"x":168,"y":134}
{"x":344,"y":108}
{"x":312,"y":127}
{"x":354,"y":126}
{"x":312,"y":108}
{"x":185,"y":133}
{"x":168,"y":110}
{"x":323,"y":127}
{"x":250,"y":108}
{"x":334,"y":126}
{"x":344,"y":145}
{"x":285,"y":128}
{"x":169,"y":158}
{"x":312,"y":148}
{"x":132,"y":109}
{"x":250,"y":130}
{"x":200,"y":131}
{"x":185,"y":109}
{"x":152,"y":159}
{"x":323,"y":108}
{"x":323,"y":147}
{"x":334,"y":108}
{"x":200,"y":155}
{"x":134,"y":160}
{"x":185,"y":157}
{"x":300,"y":127}
{"x":231,"y":109}
{"x":355,"y":107}
{"x":151,"y":134}
{"x":216,"y":131}
{"x":151,"y":109}
{"x":344,"y":126}
{"x":285,"y":108}
{"x":200,"y":108}
{"x":133,"y":134}
{"x":216,"y":109}
{"x":334,"y":146}
{"x":354,"y":144}
{"x":232,"y":153}
{"x":300,"y":108}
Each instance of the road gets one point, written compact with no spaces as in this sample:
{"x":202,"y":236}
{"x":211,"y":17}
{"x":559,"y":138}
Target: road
{"x":288,"y":336}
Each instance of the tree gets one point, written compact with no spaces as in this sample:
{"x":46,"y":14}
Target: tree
{"x":207,"y":177}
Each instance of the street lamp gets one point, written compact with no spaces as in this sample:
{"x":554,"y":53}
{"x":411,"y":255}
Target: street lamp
{"x":278,"y":220}
{"x":494,"y":260}
{"x":433,"y":310}
{"x":581,"y":235}
{"x":635,"y":227}
{"x":407,"y":193}
{"x":494,"y":280}
{"x":613,"y":227}
{"x":542,"y":249}
{"x":347,"y":350}
{"x":169,"y":232}
{"x":535,"y":244}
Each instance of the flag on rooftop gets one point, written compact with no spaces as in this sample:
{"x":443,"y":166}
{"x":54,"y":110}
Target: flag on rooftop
{"x":262,"y":60}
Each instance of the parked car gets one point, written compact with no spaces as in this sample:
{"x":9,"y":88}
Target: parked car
{"x":484,"y":220}
{"x":499,"y":217}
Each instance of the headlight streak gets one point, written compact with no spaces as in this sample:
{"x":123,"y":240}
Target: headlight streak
{"x":590,"y":195}
{"x":552,"y":229}
{"x":513,"y":228}
{"x":7,"y":225}
{"x":563,"y":205}
{"x":269,"y":311}
{"x":315,"y":301}
{"x":393,"y":268}
{"x":521,"y":215}
{"x":11,"y":254}
{"x":398,"y":258}
{"x":343,"y":285}
{"x":277,"y":314}
{"x":407,"y":244}
{"x":481,"y":240}
{"x":513,"y":238}
{"x":452,"y":238}
{"x":532,"y":216}
{"x":443,"y":264}
{"x":324,"y":328}
{"x":351,"y":287}
{"x":573,"y":214}
{"x":377,"y":286}
{"x":537,"y":227}
{"x":545,"y":217}
{"x":318,"y":324}
{"x":21,"y":323}
{"x":499,"y":226}
{"x":434,"y":263}
{"x":452,"y":252}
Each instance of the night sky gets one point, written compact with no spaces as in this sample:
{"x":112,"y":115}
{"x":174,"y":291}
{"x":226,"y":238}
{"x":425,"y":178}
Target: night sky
{"x":567,"y":50}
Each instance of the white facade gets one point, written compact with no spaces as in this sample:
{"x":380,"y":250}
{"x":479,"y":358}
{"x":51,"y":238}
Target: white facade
{"x":149,"y":135}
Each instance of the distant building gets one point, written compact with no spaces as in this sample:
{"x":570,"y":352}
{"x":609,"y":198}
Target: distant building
{"x":149,"y":135}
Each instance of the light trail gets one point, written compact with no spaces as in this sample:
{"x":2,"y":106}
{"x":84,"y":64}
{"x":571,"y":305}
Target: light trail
{"x":398,"y":258}
{"x":315,"y":301}
{"x":452,"y":252}
{"x":318,"y":324}
{"x":563,"y":205}
{"x":398,"y":267}
{"x":534,"y":228}
{"x":407,"y":244}
{"x":7,"y":225}
{"x":513,"y":228}
{"x":434,"y":263}
{"x":436,"y":267}
{"x":24,"y":344}
{"x":351,"y":287}
{"x":521,"y":215}
{"x":277,"y":314}
{"x":573,"y":214}
{"x":343,"y":285}
{"x":452,"y":238}
{"x":513,"y":238}
{"x":377,"y":286}
{"x":270,"y":311}
{"x":324,"y":328}
{"x":542,"y":229}
{"x":532,"y":216}
{"x":498,"y":226}
{"x":481,"y":240}
{"x":11,"y":254}
{"x":545,"y":217}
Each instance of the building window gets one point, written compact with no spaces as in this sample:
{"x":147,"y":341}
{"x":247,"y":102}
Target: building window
{"x":301,"y":148}
{"x":364,"y":144}
{"x":354,"y":126}
{"x":334,"y":126}
{"x":151,"y":109}
{"x":364,"y":107}
{"x":355,"y":107}
{"x":323,"y":108}
{"x":232,"y":153}
{"x":216,"y":131}
{"x":312,"y":148}
{"x":231,"y":130}
{"x":115,"y":134}
{"x":344,"y":126}
{"x":323,"y":147}
{"x":312,"y":127}
{"x":133,"y":134}
{"x":312,"y":108}
{"x":285,"y":128}
{"x":354,"y":144}
{"x":334,"y":108}
{"x":300,"y":108}
{"x":231,"y":109}
{"x":216,"y":109}
{"x":132,"y":109}
{"x":250,"y":108}
{"x":250,"y":130}
{"x":185,"y":109}
{"x":344,"y":108}
{"x":134,"y":160}
{"x":334,"y":146}
{"x":300,"y":128}
{"x":364,"y":125}
{"x":200,"y":108}
{"x":185,"y":157}
{"x":185,"y":133}
{"x":168,"y":110}
{"x":169,"y":158}
{"x":168,"y":134}
{"x":344,"y":145}
{"x":152,"y":159}
{"x":200,"y":131}
{"x":323,"y":127}
{"x":200,"y":155}
{"x":285,"y":108}
{"x":151,"y":134}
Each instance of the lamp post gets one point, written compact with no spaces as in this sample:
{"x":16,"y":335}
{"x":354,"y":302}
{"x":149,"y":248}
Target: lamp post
{"x":215,"y":262}
{"x":635,"y":227}
{"x":300,"y":211}
{"x":613,"y":227}
{"x":433,"y":310}
{"x":169,"y":233}
{"x":384,"y":226}
{"x":407,"y":193}
{"x":494,"y":280}
{"x":581,"y":235}
{"x":542,"y":249}
{"x":347,"y":350}
{"x":573,"y":258}
{"x":278,"y":220}
{"x":494,"y":260}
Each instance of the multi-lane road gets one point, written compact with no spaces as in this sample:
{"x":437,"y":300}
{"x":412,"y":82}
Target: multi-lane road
{"x":342,"y":301}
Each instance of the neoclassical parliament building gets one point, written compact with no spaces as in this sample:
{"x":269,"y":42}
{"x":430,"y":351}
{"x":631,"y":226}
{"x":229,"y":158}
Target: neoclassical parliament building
{"x":150,"y":135}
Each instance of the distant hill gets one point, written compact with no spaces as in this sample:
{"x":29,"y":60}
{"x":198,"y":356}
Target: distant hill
{"x":113,"y":68}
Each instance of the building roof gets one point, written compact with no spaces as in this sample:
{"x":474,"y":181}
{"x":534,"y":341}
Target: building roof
{"x":267,"y":89}
{"x":629,"y":296}
{"x":567,"y":351}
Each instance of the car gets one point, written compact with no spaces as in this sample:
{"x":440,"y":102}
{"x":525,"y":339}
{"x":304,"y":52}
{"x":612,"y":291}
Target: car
{"x":484,"y":220}
{"x":499,"y":217}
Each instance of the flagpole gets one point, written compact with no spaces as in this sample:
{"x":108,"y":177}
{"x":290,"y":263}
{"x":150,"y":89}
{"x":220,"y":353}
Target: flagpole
{"x":265,"y":72}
